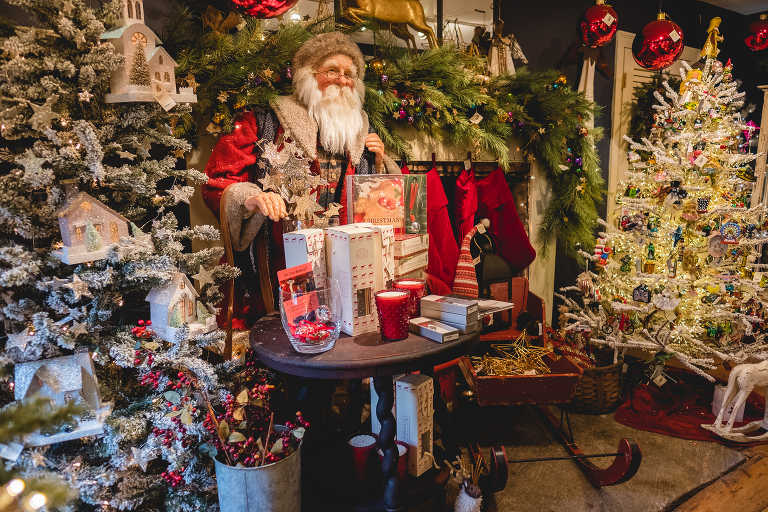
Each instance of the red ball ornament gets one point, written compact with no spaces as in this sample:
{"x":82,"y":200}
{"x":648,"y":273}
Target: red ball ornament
{"x":598,"y":25}
{"x":262,"y":9}
{"x":659,"y":45}
{"x":758,"y":41}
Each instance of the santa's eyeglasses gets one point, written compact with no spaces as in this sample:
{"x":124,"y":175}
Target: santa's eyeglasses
{"x":335,"y":75}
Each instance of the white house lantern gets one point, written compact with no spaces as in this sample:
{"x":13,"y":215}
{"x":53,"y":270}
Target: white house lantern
{"x":174,"y":304}
{"x":88,"y":227}
{"x":62,"y":380}
{"x":142,"y":77}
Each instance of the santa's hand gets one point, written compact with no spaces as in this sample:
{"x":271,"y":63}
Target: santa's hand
{"x":375,"y":146}
{"x":268,"y":203}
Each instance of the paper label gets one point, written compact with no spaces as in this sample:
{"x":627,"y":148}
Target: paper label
{"x":476,"y":118}
{"x":625,"y":368}
{"x":11,"y":451}
{"x":700,"y":161}
{"x":660,"y":380}
{"x":674,"y":36}
{"x":481,"y":228}
{"x":608,"y":20}
{"x":241,"y":25}
{"x":467,"y":165}
{"x":476,"y":261}
{"x":300,"y":306}
{"x":452,"y":337}
{"x":165,"y":100}
{"x":213,"y":128}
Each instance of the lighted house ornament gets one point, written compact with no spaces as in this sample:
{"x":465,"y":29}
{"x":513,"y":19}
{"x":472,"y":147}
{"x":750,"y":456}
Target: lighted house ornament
{"x":149,"y":70}
{"x":88,"y":227}
{"x":174,"y":304}
{"x":63,"y":379}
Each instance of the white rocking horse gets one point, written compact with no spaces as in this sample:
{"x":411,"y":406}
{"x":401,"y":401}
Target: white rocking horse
{"x":746,"y":377}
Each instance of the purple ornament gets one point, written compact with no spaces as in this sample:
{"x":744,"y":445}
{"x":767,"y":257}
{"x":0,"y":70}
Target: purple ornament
{"x":288,"y":72}
{"x":410,"y":119}
{"x":258,"y":80}
{"x":418,"y":100}
{"x":384,"y":79}
{"x":578,"y":160}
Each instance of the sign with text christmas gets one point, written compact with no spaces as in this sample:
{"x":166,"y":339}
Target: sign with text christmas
{"x":397,"y":200}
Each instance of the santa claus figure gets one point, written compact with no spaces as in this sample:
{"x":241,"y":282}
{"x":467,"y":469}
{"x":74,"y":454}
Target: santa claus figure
{"x":325,"y":118}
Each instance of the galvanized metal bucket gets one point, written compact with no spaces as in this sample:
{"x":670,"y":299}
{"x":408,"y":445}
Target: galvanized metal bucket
{"x":272,"y":488}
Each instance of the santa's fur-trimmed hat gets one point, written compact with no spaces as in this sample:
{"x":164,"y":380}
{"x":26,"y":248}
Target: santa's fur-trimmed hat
{"x":320,"y":47}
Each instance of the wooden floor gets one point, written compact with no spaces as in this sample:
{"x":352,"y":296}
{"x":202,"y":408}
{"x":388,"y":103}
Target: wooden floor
{"x":744,"y":489}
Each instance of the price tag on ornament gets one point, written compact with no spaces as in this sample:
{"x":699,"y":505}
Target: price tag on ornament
{"x":625,"y":368}
{"x":11,"y":451}
{"x":213,"y":128}
{"x":241,"y":25}
{"x":700,"y":161}
{"x":608,"y":19}
{"x":476,"y":261}
{"x":476,"y":118}
{"x":674,"y":36}
{"x":660,"y":380}
{"x":481,"y":228}
{"x":563,"y":167}
{"x":165,"y":100}
{"x":467,"y":165}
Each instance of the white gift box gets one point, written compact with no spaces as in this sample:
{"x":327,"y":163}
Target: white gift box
{"x":463,"y":328}
{"x":306,"y":246}
{"x":350,"y":256}
{"x":405,"y":245}
{"x":433,"y":329}
{"x":410,"y":263}
{"x":414,"y":396}
{"x":384,"y":256}
{"x":375,"y":425}
{"x":449,"y":305}
{"x":717,"y":403}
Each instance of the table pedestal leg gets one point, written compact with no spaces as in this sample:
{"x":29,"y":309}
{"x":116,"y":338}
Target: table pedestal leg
{"x":392,"y":491}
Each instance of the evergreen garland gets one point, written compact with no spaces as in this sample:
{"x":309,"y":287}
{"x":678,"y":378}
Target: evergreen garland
{"x":436,"y":92}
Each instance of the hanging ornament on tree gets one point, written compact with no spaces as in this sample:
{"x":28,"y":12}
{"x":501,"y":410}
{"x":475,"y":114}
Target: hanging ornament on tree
{"x":598,"y":25}
{"x":262,"y":9}
{"x":659,"y":44}
{"x":376,"y":65}
{"x":759,"y":39}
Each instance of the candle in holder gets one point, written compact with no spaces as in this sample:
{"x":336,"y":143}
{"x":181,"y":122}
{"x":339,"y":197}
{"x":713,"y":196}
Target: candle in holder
{"x":417,"y":288}
{"x":394,"y":312}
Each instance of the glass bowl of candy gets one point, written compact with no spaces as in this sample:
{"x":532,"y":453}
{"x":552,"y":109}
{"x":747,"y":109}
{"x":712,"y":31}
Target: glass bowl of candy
{"x":312,"y":318}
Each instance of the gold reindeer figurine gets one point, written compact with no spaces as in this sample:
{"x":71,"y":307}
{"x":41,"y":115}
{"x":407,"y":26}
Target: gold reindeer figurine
{"x":397,"y":12}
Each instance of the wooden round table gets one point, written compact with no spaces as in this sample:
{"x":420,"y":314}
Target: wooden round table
{"x":355,"y":357}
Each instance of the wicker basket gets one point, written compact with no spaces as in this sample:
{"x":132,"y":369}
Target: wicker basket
{"x":600,"y":390}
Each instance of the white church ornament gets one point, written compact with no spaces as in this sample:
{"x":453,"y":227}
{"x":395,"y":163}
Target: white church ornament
{"x":63,"y":379}
{"x":127,"y":86}
{"x":88,"y":227}
{"x":175,"y":304}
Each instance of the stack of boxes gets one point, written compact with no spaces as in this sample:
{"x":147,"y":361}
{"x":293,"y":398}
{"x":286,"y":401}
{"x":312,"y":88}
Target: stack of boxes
{"x":460,"y":314}
{"x":411,"y":256}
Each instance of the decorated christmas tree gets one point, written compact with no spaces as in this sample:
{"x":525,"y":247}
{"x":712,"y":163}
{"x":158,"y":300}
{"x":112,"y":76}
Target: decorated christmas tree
{"x":75,"y":174}
{"x":679,"y":274}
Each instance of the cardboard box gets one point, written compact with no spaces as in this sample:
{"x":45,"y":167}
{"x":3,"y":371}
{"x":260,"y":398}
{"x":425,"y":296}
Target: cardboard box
{"x":450,"y":318}
{"x":433,"y":329}
{"x":375,"y":425}
{"x":717,"y":402}
{"x":405,"y":245}
{"x":414,"y":395}
{"x":411,"y":263}
{"x":449,"y":305}
{"x":350,"y":256}
{"x":306,"y":246}
{"x":384,"y":263}
{"x":462,"y":327}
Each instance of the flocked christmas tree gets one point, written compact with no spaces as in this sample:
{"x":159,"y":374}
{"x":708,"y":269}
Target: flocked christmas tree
{"x":679,"y":273}
{"x":139,"y":74}
{"x":74,"y":172}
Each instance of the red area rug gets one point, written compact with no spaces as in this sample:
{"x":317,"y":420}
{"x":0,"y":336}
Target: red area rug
{"x":678,"y":409}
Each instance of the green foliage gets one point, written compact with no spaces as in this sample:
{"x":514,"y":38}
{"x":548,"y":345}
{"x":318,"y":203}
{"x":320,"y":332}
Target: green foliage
{"x":139,"y":74}
{"x":175,"y":320}
{"x":642,"y":111}
{"x":92,"y":238}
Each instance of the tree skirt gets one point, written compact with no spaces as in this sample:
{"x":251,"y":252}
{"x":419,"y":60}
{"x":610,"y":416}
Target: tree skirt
{"x":679,"y":409}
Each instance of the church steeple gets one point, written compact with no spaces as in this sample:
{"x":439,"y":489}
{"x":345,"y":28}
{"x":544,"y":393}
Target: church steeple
{"x":132,"y":12}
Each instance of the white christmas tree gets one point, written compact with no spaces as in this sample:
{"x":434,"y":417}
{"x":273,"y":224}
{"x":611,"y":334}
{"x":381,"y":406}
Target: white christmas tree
{"x":677,"y":273}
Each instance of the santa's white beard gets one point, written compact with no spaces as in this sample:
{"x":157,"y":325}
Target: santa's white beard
{"x":338,"y":111}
